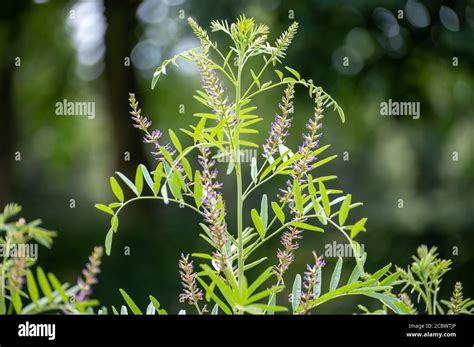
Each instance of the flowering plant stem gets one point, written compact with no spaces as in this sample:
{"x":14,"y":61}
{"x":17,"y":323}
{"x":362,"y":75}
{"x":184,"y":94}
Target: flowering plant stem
{"x":238,"y":173}
{"x":224,"y":129}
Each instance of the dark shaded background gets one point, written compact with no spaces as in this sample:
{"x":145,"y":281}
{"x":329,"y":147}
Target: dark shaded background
{"x":79,"y":50}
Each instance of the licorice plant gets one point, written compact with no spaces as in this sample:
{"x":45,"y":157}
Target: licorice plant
{"x":25,"y":288}
{"x":308,"y":202}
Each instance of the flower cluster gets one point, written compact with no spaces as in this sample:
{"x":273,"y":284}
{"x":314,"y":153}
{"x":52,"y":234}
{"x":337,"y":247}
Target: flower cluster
{"x":300,"y":168}
{"x":214,"y":88}
{"x":281,"y":124}
{"x":18,"y":269}
{"x":211,"y":83}
{"x":284,"y":41}
{"x":89,"y":272}
{"x":311,"y":280}
{"x":456,"y":302}
{"x":214,"y":209}
{"x":201,"y":34}
{"x":310,"y":140}
{"x":17,"y":272}
{"x":286,"y":256}
{"x":405,"y":298}
{"x":142,"y":123}
{"x":191,"y":293}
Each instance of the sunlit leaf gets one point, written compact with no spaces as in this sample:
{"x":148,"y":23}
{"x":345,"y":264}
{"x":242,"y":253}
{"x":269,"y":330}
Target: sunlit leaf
{"x":298,"y":197}
{"x":264,"y":211}
{"x":139,"y":180}
{"x":157,"y":176}
{"x":358,"y":227}
{"x":336,"y":275}
{"x":296,"y":292}
{"x":108,"y":241}
{"x":344,"y":210}
{"x":32,"y":287}
{"x":294,"y":72}
{"x":307,"y":226}
{"x":175,"y":141}
{"x":44,"y":284}
{"x":324,"y":198}
{"x":278,"y":212}
{"x":127,"y":182}
{"x":104,"y":208}
{"x":257,"y":221}
{"x":131,"y":304}
{"x":118,"y":192}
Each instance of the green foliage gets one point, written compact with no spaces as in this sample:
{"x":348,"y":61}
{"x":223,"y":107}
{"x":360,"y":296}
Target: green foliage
{"x":222,"y":130}
{"x":25,"y":288}
{"x":154,"y":307}
{"x":424,"y":277}
{"x":457,"y":304}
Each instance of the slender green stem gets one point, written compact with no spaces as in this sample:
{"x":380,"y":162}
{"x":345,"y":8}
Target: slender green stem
{"x":256,"y":185}
{"x":197,"y":308}
{"x":231,"y":78}
{"x":226,"y":62}
{"x":255,"y":181}
{"x":428,"y":297}
{"x":301,"y":82}
{"x":258,"y":76}
{"x":435,"y":298}
{"x":238,"y":173}
{"x":287,"y":224}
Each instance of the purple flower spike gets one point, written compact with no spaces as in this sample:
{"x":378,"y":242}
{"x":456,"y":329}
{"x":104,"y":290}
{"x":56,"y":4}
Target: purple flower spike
{"x":211,"y":200}
{"x":90,"y":271}
{"x":281,"y":124}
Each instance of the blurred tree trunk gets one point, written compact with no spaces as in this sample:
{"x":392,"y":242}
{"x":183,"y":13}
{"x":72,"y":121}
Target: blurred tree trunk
{"x":9,"y":26}
{"x":120,"y":81}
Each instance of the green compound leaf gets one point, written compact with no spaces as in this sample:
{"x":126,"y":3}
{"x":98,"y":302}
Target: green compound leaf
{"x":257,"y":221}
{"x":187,"y":168}
{"x":307,"y":226}
{"x":297,"y":195}
{"x":294,"y":72}
{"x":197,"y":189}
{"x":175,"y":141}
{"x":108,"y":241}
{"x":344,"y":211}
{"x":264,"y":211}
{"x":139,"y":180}
{"x":32,"y":287}
{"x":296,"y":293}
{"x":44,"y":284}
{"x":58,"y":287}
{"x":358,"y":227}
{"x":146,"y":175}
{"x":157,"y":176}
{"x":118,"y":192}
{"x":324,"y":198}
{"x":199,"y":128}
{"x":104,"y":208}
{"x":278,"y":212}
{"x":336,"y":275}
{"x":131,"y":304}
{"x":127,"y":182}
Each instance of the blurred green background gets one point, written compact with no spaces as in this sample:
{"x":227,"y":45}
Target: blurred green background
{"x":99,"y":51}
